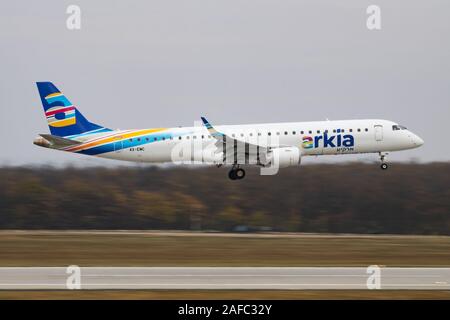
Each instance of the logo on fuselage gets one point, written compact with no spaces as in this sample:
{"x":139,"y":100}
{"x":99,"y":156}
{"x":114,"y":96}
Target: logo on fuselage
{"x":329,"y":141}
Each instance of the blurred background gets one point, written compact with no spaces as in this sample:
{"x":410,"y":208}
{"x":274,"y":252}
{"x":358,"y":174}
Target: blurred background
{"x":352,"y":198}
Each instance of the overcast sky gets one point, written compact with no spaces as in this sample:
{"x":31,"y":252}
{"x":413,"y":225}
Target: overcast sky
{"x":142,"y":64}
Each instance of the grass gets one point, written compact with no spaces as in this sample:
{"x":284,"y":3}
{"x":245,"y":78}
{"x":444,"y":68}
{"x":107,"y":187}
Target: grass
{"x":62,"y":249}
{"x":224,"y":294}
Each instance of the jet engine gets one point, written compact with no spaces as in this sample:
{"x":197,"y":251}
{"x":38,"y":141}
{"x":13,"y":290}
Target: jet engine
{"x":285,"y":157}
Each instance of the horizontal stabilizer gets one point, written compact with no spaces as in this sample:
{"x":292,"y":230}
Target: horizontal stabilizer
{"x":56,"y":142}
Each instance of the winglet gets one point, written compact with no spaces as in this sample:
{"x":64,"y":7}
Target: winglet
{"x":206,"y":123}
{"x":213,"y":132}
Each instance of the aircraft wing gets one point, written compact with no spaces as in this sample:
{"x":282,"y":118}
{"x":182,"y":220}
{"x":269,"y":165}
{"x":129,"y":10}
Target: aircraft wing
{"x":229,"y":145}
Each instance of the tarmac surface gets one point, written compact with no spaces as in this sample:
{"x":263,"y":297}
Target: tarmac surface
{"x":273,"y":278}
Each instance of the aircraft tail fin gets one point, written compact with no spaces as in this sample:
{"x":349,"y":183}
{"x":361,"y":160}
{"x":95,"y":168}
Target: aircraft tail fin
{"x":63,"y":117}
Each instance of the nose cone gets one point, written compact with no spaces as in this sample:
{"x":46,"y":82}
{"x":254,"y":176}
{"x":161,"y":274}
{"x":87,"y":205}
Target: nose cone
{"x":417,"y":141}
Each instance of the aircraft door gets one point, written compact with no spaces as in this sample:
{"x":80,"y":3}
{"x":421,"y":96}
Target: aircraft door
{"x":378,"y":132}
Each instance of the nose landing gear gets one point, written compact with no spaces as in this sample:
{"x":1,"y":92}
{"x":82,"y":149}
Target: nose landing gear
{"x":383,"y":165}
{"x":236,"y":173}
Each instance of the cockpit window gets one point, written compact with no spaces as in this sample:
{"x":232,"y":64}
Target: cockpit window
{"x":398,"y":127}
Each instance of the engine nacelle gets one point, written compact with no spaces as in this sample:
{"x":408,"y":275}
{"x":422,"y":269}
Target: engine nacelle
{"x":285,"y":157}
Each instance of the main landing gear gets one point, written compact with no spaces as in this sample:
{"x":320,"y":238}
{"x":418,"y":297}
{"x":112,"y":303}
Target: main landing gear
{"x":383,"y":165}
{"x":236,"y":173}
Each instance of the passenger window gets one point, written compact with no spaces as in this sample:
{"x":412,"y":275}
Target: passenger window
{"x":302,"y":132}
{"x":179,"y":138}
{"x":154,"y":139}
{"x":310,"y":132}
{"x":318,"y":131}
{"x":269,"y":133}
{"x":293,"y":132}
{"x":366,"y":129}
{"x":285,"y":133}
{"x":351,"y":130}
{"x":359,"y":130}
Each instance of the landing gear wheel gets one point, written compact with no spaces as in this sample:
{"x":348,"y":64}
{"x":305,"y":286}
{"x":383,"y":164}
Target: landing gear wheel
{"x":383,"y":165}
{"x":232,"y":174}
{"x":236,"y":174}
{"x":240,"y":173}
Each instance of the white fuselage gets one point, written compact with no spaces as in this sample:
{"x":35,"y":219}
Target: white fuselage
{"x":312,"y":138}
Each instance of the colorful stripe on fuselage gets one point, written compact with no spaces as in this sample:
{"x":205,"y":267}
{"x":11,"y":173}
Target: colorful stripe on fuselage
{"x":88,"y":133}
{"x":120,"y":140}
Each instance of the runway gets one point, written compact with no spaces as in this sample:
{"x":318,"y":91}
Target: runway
{"x":220,"y":278}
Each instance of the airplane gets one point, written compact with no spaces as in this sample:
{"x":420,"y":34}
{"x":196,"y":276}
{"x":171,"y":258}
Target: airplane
{"x":270,"y":145}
